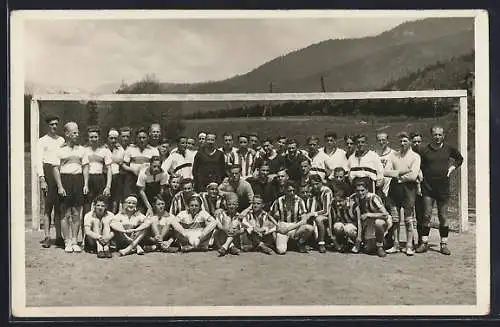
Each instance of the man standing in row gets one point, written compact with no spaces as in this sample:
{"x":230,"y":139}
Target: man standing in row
{"x":437,"y":169}
{"x":48,"y":145}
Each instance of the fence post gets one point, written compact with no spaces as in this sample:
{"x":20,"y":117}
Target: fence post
{"x":462,"y":144}
{"x":35,"y":161}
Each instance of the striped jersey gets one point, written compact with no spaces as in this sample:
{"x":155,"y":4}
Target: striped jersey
{"x":117,"y":154}
{"x":145,"y":177}
{"x":229,"y":155}
{"x":342,"y":211}
{"x":179,"y":203}
{"x":252,"y":220}
{"x":70,"y":160}
{"x":246,"y":161}
{"x":324,"y":199}
{"x":137,"y":158}
{"x":385,"y":157}
{"x":288,"y":210}
{"x":371,"y":203}
{"x":197,"y":221}
{"x":178,"y":164}
{"x":212,"y":204}
{"x":321,"y":164}
{"x":368,"y":165}
{"x":98,"y":158}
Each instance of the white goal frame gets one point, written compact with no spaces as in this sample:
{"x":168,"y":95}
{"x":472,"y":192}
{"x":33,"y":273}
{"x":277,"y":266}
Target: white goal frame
{"x":460,"y":94}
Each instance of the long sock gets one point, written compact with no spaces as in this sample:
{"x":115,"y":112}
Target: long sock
{"x":443,"y":231}
{"x":321,"y":233}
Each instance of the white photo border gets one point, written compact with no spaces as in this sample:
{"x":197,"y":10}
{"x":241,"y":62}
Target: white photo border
{"x":17,"y":214}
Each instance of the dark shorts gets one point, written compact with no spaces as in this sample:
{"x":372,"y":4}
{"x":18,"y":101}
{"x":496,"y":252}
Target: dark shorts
{"x":51,"y":196}
{"x":129,"y":184}
{"x":438,"y":189}
{"x":403,"y":195}
{"x":97,"y":183}
{"x":117,"y":188}
{"x":73,"y":185}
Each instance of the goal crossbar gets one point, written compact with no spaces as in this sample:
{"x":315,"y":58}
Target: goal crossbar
{"x":179,"y":97}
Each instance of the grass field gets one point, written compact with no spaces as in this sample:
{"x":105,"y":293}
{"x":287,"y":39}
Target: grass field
{"x":57,"y":279}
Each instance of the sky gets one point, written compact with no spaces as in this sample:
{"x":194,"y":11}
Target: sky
{"x":87,"y":54}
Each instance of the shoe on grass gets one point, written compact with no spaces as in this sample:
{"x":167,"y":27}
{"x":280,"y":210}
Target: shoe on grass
{"x":444,"y":249}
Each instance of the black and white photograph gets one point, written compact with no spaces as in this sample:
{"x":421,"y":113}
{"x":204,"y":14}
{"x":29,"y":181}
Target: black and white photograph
{"x":235,"y":163}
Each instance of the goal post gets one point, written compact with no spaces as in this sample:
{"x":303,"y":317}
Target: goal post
{"x":457,"y":94}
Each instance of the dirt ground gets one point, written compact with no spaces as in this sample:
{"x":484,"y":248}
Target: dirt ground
{"x":55,"y":278}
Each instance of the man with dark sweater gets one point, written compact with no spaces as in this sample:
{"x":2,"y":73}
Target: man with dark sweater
{"x":292,"y":160}
{"x":209,"y":165}
{"x":438,"y":161}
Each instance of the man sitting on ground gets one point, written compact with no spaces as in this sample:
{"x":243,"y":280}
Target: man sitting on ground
{"x":129,"y":227}
{"x":228,"y":227}
{"x":259,"y":227}
{"x":97,"y":228}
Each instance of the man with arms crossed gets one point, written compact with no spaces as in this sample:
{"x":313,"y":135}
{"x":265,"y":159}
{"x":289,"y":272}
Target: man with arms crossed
{"x":403,"y":167}
{"x":48,"y":145}
{"x":437,"y":170}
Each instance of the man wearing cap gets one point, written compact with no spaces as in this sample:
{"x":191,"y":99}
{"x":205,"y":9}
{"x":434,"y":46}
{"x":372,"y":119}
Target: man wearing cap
{"x":117,"y":154}
{"x":48,"y":145}
{"x":71,"y":173}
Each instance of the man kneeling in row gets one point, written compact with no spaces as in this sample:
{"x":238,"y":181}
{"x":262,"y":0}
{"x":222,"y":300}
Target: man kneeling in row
{"x":97,"y":228}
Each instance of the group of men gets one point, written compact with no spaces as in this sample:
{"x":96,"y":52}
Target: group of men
{"x":261,"y":195}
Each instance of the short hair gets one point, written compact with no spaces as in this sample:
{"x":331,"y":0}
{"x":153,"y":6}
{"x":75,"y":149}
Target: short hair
{"x":227,"y":134}
{"x":264,"y":163}
{"x":359,"y":181}
{"x":182,"y":137}
{"x":257,"y":197}
{"x":50,"y":118}
{"x":231,"y":196}
{"x":185,"y":181}
{"x":312,"y":138}
{"x":125,"y":129}
{"x":141,"y":130}
{"x":93,"y":129}
{"x":154,"y":158}
{"x":154,"y":124}
{"x":253,"y":134}
{"x":202,"y":133}
{"x":101,"y":198}
{"x":403,"y":135}
{"x":243,"y":135}
{"x":304,"y":159}
{"x":235,"y":166}
{"x":158,"y":197}
{"x":433,"y":127}
{"x":315,"y":178}
{"x":165,"y":140}
{"x":331,"y":134}
{"x":383,"y":133}
{"x":339,"y":169}
{"x":291,"y":141}
{"x":195,"y":197}
{"x":281,"y":137}
{"x":415,"y":134}
{"x":349,"y":137}
{"x":211,"y":133}
{"x":290,"y":183}
{"x":175,"y":175}
{"x":359,"y":136}
{"x":267,"y":139}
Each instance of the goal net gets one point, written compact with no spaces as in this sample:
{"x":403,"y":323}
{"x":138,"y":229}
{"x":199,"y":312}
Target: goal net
{"x":270,"y":115}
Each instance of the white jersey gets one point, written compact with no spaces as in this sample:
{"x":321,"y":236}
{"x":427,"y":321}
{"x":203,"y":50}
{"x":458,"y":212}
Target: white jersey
{"x":46,"y":149}
{"x":385,"y":157}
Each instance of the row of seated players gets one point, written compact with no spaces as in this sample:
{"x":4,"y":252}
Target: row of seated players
{"x":359,"y":223}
